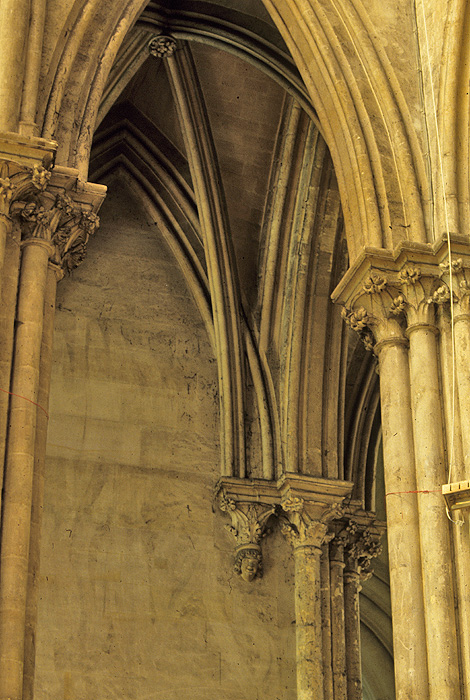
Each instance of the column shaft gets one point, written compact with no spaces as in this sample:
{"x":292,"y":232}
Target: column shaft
{"x":9,"y":291}
{"x":14,"y":22}
{"x":402,"y":524}
{"x":308,"y":623}
{"x":326,"y":624}
{"x":462,"y":353}
{"x":460,"y":470}
{"x":353,"y":635}
{"x":337,"y":622}
{"x":38,"y":481}
{"x":19,"y":467}
{"x":439,"y":604}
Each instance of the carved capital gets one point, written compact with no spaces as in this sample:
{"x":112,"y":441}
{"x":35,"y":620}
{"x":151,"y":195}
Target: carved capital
{"x":18,"y":182}
{"x":361,"y":544}
{"x":384,"y":305}
{"x":375,"y":325}
{"x":162,"y":46}
{"x":301,"y":529}
{"x":62,"y":215}
{"x":248,"y":527}
{"x":60,"y":221}
{"x":416,"y":301}
{"x":456,"y":285}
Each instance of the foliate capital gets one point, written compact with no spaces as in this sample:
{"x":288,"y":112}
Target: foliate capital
{"x":302,"y":528}
{"x":62,"y":213}
{"x":248,"y":527}
{"x":361,"y":544}
{"x":375,"y":325}
{"x":455,"y":285}
{"x":18,"y":182}
{"x":385,"y":304}
{"x":62,"y":222}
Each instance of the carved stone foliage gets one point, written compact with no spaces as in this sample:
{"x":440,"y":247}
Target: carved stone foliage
{"x":162,"y":46}
{"x":248,"y":527}
{"x":361,"y":544}
{"x":384,"y":305}
{"x":455,"y":277}
{"x":17,"y":182}
{"x":58,"y":220}
{"x":302,"y":527}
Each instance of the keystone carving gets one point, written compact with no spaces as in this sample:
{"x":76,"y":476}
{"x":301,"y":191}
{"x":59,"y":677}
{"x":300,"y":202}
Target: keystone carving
{"x":162,"y":46}
{"x":60,"y":222}
{"x":248,"y":527}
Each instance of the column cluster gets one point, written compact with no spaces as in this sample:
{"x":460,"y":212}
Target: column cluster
{"x":333,"y":543}
{"x":400,"y":306}
{"x":46,"y":218}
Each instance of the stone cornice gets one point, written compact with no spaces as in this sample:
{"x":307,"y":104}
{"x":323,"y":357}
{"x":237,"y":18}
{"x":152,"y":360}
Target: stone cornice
{"x":27,"y":151}
{"x":290,"y":484}
{"x":377,"y":260}
{"x":303,"y":504}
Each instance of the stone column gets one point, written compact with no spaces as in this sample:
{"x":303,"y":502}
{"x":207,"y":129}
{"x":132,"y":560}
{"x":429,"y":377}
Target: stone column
{"x":54,"y":274}
{"x":305,"y":506}
{"x":19,"y":466}
{"x":53,"y":229}
{"x":338,"y":637}
{"x":22,"y":174}
{"x":14,"y":22}
{"x":400,"y":292}
{"x":438,"y":586}
{"x":457,"y":410}
{"x":305,"y":526}
{"x":369,"y":312}
{"x":327,"y":628}
{"x":362,"y":545}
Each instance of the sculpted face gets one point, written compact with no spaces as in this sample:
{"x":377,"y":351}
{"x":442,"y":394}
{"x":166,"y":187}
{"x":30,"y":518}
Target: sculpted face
{"x":249,"y":568}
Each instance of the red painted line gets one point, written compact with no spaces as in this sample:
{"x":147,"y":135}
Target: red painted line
{"x":26,"y":399}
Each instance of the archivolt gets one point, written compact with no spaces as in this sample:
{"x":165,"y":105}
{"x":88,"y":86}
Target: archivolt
{"x":363,"y":117}
{"x":361,"y":111}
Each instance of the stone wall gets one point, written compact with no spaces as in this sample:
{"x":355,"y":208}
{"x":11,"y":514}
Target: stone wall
{"x":138,"y":598}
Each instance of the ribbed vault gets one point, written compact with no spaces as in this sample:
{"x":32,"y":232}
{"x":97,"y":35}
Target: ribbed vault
{"x":220,"y":148}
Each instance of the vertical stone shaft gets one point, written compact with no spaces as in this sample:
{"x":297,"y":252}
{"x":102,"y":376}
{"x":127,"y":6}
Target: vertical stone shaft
{"x":443,"y":668}
{"x":14,"y":21}
{"x":5,"y":231}
{"x":338,"y":648}
{"x":462,"y":350}
{"x":326,"y":624}
{"x":352,"y":630}
{"x":308,"y":623}
{"x":19,"y":467}
{"x":460,"y":471}
{"x":402,"y":522}
{"x":38,"y":479}
{"x":33,"y":66}
{"x":9,"y":291}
